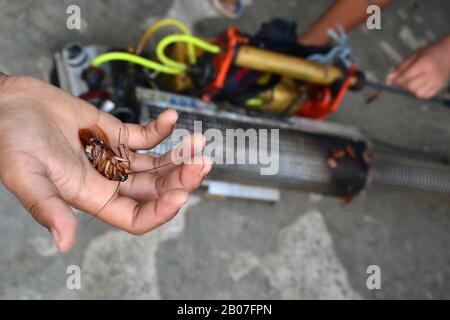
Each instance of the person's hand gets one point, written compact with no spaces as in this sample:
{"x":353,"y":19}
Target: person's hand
{"x":425,"y":72}
{"x":43,"y":164}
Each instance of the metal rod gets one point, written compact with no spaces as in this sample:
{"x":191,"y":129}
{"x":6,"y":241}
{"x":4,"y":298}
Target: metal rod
{"x":442,"y":101}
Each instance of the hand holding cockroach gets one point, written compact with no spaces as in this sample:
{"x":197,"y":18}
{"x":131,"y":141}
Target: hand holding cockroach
{"x":58,"y":152}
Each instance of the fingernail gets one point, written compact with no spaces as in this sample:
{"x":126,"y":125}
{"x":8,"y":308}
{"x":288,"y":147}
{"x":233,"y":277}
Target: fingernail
{"x":184,"y":202}
{"x":205,"y":170}
{"x":174,"y":120}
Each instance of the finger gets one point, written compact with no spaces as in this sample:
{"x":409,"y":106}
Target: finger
{"x":391,"y":78}
{"x":41,"y":198}
{"x":414,"y":84}
{"x":127,"y":214}
{"x":427,"y":91}
{"x":185,"y":152}
{"x":149,"y":187}
{"x":188,"y":177}
{"x":146,"y":137}
{"x":408,"y":75}
{"x":143,"y":186}
{"x":98,"y":198}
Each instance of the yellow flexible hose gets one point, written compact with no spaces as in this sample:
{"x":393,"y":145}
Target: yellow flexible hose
{"x":124,"y":56}
{"x":168,"y":65}
{"x":161,"y":24}
{"x":166,"y":41}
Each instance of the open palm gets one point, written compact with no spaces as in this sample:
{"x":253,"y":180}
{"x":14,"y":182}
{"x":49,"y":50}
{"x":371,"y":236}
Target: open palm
{"x":43,"y":164}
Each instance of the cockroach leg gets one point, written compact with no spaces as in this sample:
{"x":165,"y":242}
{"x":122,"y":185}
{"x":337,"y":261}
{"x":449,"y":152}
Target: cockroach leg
{"x":123,"y":152}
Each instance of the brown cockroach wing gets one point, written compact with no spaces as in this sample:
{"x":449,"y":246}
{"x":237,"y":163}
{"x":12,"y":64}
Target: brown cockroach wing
{"x":93,"y":131}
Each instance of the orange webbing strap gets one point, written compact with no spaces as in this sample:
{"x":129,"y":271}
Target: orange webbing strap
{"x":229,"y":41}
{"x":320,"y":103}
{"x":337,"y":101}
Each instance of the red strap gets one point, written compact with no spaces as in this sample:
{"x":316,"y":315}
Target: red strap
{"x":319,"y":104}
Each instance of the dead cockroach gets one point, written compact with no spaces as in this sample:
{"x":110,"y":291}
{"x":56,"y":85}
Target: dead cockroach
{"x":373,"y":96}
{"x":332,"y":163}
{"x":99,"y":152}
{"x":335,"y":157}
{"x":337,"y":154}
{"x":350,"y":152}
{"x":347,"y":199}
{"x":104,"y":159}
{"x":367,"y":158}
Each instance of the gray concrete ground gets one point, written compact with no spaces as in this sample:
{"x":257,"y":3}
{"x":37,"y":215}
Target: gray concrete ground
{"x":305,"y":246}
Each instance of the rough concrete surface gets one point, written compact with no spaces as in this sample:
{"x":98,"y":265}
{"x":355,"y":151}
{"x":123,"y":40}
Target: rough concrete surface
{"x":305,"y":246}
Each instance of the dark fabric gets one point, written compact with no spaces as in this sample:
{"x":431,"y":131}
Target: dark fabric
{"x":281,"y":36}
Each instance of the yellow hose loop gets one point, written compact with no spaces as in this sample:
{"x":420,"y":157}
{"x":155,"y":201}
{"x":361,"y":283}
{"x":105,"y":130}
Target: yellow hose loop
{"x":166,"y":41}
{"x":123,"y":56}
{"x":161,"y":24}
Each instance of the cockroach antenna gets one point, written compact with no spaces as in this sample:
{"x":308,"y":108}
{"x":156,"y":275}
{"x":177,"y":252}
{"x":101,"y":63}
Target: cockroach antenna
{"x":118,"y":185}
{"x":152,"y":169}
{"x":107,"y":202}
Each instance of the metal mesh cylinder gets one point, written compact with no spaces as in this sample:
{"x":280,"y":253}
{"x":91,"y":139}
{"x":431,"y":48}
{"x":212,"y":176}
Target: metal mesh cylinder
{"x":410,"y":175}
{"x":303,"y":154}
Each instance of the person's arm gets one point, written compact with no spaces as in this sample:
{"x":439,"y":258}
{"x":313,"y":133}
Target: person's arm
{"x":43,"y":163}
{"x":348,"y":13}
{"x":425,"y":72}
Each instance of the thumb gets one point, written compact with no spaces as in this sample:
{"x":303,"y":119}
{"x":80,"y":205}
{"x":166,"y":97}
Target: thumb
{"x":41,"y":198}
{"x":53,"y":213}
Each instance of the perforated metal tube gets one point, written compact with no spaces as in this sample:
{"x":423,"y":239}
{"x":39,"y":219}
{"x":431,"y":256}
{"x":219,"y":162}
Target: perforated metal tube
{"x":410,"y":175}
{"x":302,"y":156}
{"x":303,"y":153}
